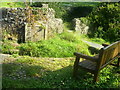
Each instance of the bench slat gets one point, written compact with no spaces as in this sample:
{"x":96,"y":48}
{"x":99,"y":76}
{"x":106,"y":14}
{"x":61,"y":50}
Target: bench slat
{"x":109,"y":53}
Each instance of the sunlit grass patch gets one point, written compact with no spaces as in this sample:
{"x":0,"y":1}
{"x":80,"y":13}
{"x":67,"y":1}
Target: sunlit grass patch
{"x":94,"y":40}
{"x":12,"y":4}
{"x":99,"y":40}
{"x":31,"y":72}
{"x":62,"y":45}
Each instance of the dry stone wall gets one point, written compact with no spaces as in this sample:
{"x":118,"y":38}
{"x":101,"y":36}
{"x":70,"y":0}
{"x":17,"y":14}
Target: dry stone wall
{"x":31,"y":24}
{"x":13,"y":21}
{"x":54,"y":27}
{"x":80,"y":27}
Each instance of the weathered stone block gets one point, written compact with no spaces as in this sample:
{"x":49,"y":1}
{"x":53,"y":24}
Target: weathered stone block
{"x":79,"y":26}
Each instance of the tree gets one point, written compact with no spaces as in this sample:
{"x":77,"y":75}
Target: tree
{"x":105,"y":20}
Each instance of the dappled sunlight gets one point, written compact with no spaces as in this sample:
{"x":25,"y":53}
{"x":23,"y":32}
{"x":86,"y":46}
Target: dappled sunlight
{"x":41,"y":39}
{"x":52,"y":73}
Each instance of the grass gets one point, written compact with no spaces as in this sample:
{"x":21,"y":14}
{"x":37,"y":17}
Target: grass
{"x":9,"y":47}
{"x":99,"y":40}
{"x":31,"y":72}
{"x":12,"y":4}
{"x":34,"y":71}
{"x":94,"y":40}
{"x":62,"y":45}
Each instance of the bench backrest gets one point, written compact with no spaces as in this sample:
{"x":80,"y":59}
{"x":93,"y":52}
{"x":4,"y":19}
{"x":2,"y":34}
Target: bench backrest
{"x":108,"y":53}
{"x":119,"y":47}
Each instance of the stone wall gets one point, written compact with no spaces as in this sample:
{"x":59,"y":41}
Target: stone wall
{"x":80,"y":27}
{"x":13,"y":22}
{"x":54,"y":24}
{"x":31,"y":24}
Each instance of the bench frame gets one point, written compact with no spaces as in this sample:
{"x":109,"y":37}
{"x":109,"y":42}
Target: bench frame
{"x":101,"y":60}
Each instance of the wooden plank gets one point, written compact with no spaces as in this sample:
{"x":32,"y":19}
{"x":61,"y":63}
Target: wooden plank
{"x":88,"y":64}
{"x":119,"y":47}
{"x":85,"y":56}
{"x":109,"y":53}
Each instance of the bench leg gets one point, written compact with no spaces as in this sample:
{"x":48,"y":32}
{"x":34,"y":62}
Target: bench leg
{"x":75,"y":69}
{"x":118,"y":63}
{"x":96,"y":77}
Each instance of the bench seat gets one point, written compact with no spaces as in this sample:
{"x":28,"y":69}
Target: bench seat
{"x":88,"y":64}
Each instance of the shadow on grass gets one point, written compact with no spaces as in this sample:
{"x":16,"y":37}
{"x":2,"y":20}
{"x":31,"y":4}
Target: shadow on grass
{"x":27,"y":75}
{"x":93,"y":50}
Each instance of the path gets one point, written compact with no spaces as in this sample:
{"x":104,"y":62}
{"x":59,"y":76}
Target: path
{"x":95,"y":45}
{"x":98,"y":46}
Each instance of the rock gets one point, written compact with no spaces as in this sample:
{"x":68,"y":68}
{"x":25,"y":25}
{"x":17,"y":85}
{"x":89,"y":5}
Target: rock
{"x":79,"y":26}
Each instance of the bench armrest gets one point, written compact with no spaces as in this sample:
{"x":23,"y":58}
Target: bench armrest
{"x":105,"y":45}
{"x":85,"y":56}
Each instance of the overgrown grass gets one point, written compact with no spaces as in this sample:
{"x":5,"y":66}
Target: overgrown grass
{"x":12,"y":4}
{"x":99,"y":40}
{"x":62,"y":45}
{"x":9,"y":47}
{"x":94,"y":40}
{"x":33,"y":72}
{"x":28,"y":72}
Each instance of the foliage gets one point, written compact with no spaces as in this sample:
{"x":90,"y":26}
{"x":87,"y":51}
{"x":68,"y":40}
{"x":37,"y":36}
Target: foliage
{"x":99,"y":40}
{"x":93,"y":39}
{"x":71,"y":37}
{"x":60,"y":46}
{"x":77,"y":12}
{"x":63,"y":9}
{"x":60,"y":10}
{"x":8,"y":48}
{"x":15,"y":55}
{"x":105,"y":21}
{"x":70,"y":10}
{"x":12,"y":4}
{"x":36,"y":4}
{"x":28,"y":72}
{"x":84,"y":20}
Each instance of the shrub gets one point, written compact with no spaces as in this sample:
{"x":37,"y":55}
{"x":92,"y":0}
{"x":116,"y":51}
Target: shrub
{"x":105,"y":21}
{"x":84,"y":20}
{"x":29,"y":49}
{"x":36,"y":4}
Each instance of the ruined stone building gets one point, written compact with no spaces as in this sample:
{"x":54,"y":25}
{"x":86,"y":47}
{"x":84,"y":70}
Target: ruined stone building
{"x":31,"y":24}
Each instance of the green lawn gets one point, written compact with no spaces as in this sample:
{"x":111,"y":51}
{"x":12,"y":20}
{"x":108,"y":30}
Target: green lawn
{"x":12,"y":4}
{"x":61,"y":45}
{"x":94,"y":40}
{"x":49,"y":64}
{"x":31,"y":72}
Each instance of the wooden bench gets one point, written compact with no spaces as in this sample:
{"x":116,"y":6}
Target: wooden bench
{"x":94,"y":64}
